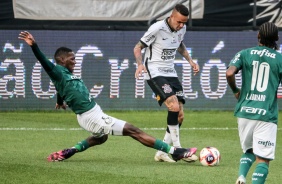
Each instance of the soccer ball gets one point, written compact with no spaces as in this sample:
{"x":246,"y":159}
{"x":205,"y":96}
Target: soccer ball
{"x":209,"y":156}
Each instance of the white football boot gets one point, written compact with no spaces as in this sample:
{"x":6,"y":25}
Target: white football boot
{"x":241,"y":180}
{"x":162,"y":157}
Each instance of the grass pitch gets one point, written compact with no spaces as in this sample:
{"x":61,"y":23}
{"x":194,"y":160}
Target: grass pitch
{"x":27,"y":138}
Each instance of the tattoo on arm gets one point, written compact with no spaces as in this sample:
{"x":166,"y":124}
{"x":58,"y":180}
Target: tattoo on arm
{"x":137,"y":52}
{"x":182,"y":50}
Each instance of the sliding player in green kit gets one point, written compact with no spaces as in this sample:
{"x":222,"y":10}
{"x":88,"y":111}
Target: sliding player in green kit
{"x":72,"y":90}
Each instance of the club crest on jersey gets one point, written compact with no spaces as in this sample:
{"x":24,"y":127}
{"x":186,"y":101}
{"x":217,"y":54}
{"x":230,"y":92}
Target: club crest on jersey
{"x":167,"y":88}
{"x":179,"y":37}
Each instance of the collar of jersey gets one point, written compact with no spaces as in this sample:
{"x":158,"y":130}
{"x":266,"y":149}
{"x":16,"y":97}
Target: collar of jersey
{"x":64,"y":68}
{"x":166,"y":22}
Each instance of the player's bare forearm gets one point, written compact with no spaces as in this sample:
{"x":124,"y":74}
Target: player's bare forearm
{"x":231,"y":80}
{"x":137,"y":53}
{"x":139,"y":61}
{"x":182,"y":50}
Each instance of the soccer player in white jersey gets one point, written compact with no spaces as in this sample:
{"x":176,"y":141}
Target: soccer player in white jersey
{"x":161,"y":41}
{"x":256,"y":109}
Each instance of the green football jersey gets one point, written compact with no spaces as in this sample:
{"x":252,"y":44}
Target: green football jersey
{"x":70,"y":87}
{"x":261,"y":69}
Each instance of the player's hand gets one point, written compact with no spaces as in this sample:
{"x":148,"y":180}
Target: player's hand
{"x":237,"y":95}
{"x":139,"y":71}
{"x":27,"y":37}
{"x":195,"y":67}
{"x":63,"y":106}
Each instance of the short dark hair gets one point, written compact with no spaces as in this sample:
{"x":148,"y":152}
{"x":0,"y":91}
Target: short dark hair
{"x":61,"y":51}
{"x":183,"y":10}
{"x":268,"y":33}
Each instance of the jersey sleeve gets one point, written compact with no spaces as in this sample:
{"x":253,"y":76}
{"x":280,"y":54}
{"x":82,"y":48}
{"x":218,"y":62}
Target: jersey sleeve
{"x":48,"y":66}
{"x":150,"y":36}
{"x":60,"y":100}
{"x":237,"y":60}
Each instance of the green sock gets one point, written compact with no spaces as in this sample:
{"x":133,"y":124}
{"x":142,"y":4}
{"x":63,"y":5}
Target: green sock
{"x":162,"y":146}
{"x":260,"y":173}
{"x":82,"y":146}
{"x":246,"y":161}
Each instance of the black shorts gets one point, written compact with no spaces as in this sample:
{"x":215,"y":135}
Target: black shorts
{"x":164,"y":87}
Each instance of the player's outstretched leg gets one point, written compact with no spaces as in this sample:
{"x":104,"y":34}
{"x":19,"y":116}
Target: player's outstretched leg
{"x":61,"y":155}
{"x":147,"y":140}
{"x":79,"y":147}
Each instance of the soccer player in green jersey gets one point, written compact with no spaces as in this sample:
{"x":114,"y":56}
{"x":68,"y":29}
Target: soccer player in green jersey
{"x":72,"y":90}
{"x":257,"y":109}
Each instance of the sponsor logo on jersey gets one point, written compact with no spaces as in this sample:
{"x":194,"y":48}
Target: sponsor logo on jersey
{"x":167,"y":88}
{"x":255,"y":97}
{"x":263,"y":52}
{"x":166,"y":70}
{"x":150,"y":38}
{"x":266,"y":143}
{"x":168,"y":54}
{"x":75,"y":77}
{"x":253,"y":110}
{"x":236,"y":58}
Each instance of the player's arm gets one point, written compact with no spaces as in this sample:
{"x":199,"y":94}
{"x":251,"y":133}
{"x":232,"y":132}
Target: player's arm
{"x":28,"y":38}
{"x":60,"y":102}
{"x":230,"y":77}
{"x":183,"y":51}
{"x":139,"y":60}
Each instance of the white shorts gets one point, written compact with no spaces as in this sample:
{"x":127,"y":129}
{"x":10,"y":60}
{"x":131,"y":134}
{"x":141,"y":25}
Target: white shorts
{"x":99,"y":123}
{"x":259,"y":135}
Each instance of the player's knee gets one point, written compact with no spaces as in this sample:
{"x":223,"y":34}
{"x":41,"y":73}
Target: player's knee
{"x":173,"y":107}
{"x":101,"y":140}
{"x":130,"y":130}
{"x":172,"y":104}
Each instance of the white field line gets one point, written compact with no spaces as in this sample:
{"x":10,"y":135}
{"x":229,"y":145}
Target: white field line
{"x":79,"y":129}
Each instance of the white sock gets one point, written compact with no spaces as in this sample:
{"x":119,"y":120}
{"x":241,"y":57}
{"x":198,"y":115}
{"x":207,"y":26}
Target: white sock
{"x":167,"y":138}
{"x":171,"y":151}
{"x":175,"y":137}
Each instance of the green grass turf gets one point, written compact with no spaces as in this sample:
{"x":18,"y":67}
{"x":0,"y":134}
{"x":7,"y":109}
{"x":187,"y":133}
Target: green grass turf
{"x":121,"y":159}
